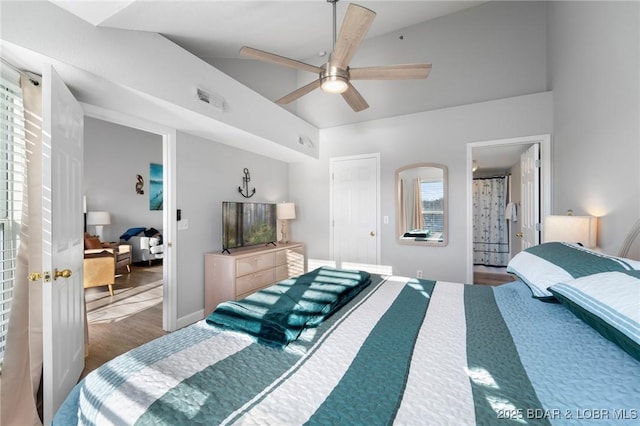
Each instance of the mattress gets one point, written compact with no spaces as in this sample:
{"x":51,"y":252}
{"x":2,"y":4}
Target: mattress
{"x":403,"y":351}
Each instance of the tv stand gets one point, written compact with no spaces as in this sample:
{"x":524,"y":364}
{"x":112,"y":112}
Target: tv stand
{"x":241,"y":272}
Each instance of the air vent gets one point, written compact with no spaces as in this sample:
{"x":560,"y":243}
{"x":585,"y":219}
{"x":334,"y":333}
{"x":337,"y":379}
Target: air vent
{"x":212,"y":99}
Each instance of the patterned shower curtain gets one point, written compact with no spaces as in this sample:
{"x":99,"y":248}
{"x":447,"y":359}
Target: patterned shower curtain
{"x":490,"y":236}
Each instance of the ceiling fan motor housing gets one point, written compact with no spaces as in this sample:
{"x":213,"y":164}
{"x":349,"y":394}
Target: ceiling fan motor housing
{"x":334,"y":79}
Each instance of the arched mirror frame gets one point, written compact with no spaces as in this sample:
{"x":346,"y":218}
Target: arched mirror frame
{"x":400,"y":232}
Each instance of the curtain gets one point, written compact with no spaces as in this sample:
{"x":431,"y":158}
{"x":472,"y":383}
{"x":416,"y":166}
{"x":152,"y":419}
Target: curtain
{"x":22,"y":366}
{"x":490,"y":236}
{"x":403,"y":207}
{"x":417,"y":222}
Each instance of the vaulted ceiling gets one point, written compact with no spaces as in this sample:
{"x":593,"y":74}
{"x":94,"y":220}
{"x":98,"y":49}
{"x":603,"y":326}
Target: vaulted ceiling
{"x":303,"y":30}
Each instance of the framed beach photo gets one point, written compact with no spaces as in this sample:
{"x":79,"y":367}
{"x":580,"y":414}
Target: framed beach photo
{"x":155,"y":186}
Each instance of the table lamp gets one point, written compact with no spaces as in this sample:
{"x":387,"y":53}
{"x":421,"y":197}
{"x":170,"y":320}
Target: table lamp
{"x":571,"y":229}
{"x":285,"y":212}
{"x":99,"y":220}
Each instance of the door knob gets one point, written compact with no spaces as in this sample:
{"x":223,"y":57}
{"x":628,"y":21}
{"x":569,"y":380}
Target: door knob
{"x":373,"y":234}
{"x":65,"y":273}
{"x":519,"y":234}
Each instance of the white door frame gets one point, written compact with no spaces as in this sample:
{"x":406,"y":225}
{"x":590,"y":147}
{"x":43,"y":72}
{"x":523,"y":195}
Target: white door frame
{"x":169,"y":213}
{"x":545,"y":182}
{"x":375,"y":155}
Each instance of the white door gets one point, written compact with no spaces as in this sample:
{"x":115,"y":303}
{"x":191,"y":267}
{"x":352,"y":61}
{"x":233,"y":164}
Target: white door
{"x":355,"y":210}
{"x":530,"y":165}
{"x":62,"y":241}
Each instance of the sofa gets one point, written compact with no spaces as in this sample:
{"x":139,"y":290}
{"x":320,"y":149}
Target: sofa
{"x":146,"y":249}
{"x":146,"y":244}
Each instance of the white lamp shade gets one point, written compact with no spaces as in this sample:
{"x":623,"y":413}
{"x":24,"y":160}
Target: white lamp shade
{"x":571,"y":229}
{"x":286,"y":211}
{"x":98,"y":218}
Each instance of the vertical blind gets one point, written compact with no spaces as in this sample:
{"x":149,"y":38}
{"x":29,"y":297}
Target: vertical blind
{"x":12,"y":185}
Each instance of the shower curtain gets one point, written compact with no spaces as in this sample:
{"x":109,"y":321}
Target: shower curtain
{"x":490,"y":236}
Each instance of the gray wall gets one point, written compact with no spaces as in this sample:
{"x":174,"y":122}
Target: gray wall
{"x":594,"y":72}
{"x":113,"y":156}
{"x":436,"y":136}
{"x":207,"y":174}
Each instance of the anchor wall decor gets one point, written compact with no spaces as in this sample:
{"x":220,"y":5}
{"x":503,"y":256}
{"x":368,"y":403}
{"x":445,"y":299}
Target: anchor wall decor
{"x":245,"y":183}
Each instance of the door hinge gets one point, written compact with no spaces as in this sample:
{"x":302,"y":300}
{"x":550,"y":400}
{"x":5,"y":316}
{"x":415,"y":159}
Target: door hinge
{"x":538,"y":163}
{"x":538,"y":226}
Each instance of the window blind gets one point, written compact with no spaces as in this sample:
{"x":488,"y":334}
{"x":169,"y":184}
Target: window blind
{"x":432,"y":196}
{"x":12,"y":186}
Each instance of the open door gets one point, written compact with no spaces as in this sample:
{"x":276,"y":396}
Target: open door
{"x":530,"y":166}
{"x":62,"y":241}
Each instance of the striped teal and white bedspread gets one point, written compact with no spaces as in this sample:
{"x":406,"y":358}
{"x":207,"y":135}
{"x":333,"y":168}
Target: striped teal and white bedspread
{"x":404,"y":351}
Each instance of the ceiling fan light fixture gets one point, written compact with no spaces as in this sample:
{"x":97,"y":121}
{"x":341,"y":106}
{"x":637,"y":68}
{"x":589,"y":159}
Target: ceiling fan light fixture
{"x":334,"y":84}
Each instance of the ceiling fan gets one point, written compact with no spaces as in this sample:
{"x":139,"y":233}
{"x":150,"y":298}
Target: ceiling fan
{"x":336,"y":75}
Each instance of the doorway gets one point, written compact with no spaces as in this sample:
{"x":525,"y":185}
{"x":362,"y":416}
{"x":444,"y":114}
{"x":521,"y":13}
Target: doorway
{"x":502,"y":158}
{"x":169,"y":272}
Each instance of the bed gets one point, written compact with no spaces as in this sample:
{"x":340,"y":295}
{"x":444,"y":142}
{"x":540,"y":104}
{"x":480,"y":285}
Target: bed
{"x":398,"y":350}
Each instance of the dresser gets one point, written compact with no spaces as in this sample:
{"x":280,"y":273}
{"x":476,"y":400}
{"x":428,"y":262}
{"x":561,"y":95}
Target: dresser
{"x":236,"y":275}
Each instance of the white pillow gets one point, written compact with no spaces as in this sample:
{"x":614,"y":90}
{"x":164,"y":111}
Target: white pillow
{"x":547,"y":264}
{"x":609,"y":302}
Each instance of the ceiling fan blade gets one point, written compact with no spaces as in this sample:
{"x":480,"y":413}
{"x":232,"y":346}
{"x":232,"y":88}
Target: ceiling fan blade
{"x":298,"y":93}
{"x":277,"y":59}
{"x":356,"y":23}
{"x":355,"y":99}
{"x":391,"y":72}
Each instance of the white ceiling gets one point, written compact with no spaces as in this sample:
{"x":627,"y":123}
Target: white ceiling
{"x":497,"y":159}
{"x":297,"y":29}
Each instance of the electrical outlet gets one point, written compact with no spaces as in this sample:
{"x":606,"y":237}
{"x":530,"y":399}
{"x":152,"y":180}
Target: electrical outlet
{"x":419,"y":273}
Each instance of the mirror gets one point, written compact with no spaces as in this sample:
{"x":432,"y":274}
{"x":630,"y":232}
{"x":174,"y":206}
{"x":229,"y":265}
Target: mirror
{"x":421,"y":204}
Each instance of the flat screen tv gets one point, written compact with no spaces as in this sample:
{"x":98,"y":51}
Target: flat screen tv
{"x":247,"y":224}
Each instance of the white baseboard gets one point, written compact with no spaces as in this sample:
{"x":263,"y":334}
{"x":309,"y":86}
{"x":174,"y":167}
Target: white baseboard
{"x":190,"y":319}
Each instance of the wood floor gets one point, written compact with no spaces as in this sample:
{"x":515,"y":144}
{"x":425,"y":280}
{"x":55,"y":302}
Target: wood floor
{"x":131,"y":317}
{"x":490,"y":278}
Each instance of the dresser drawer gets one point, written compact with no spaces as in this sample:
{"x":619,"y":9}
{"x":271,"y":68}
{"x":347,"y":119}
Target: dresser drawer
{"x":235,"y":275}
{"x":282,"y":273}
{"x":250,"y":283}
{"x":251,"y":264}
{"x":281,"y":257}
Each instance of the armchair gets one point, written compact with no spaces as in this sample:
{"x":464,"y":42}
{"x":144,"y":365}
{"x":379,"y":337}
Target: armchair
{"x":99,"y":269}
{"x":101,"y":260}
